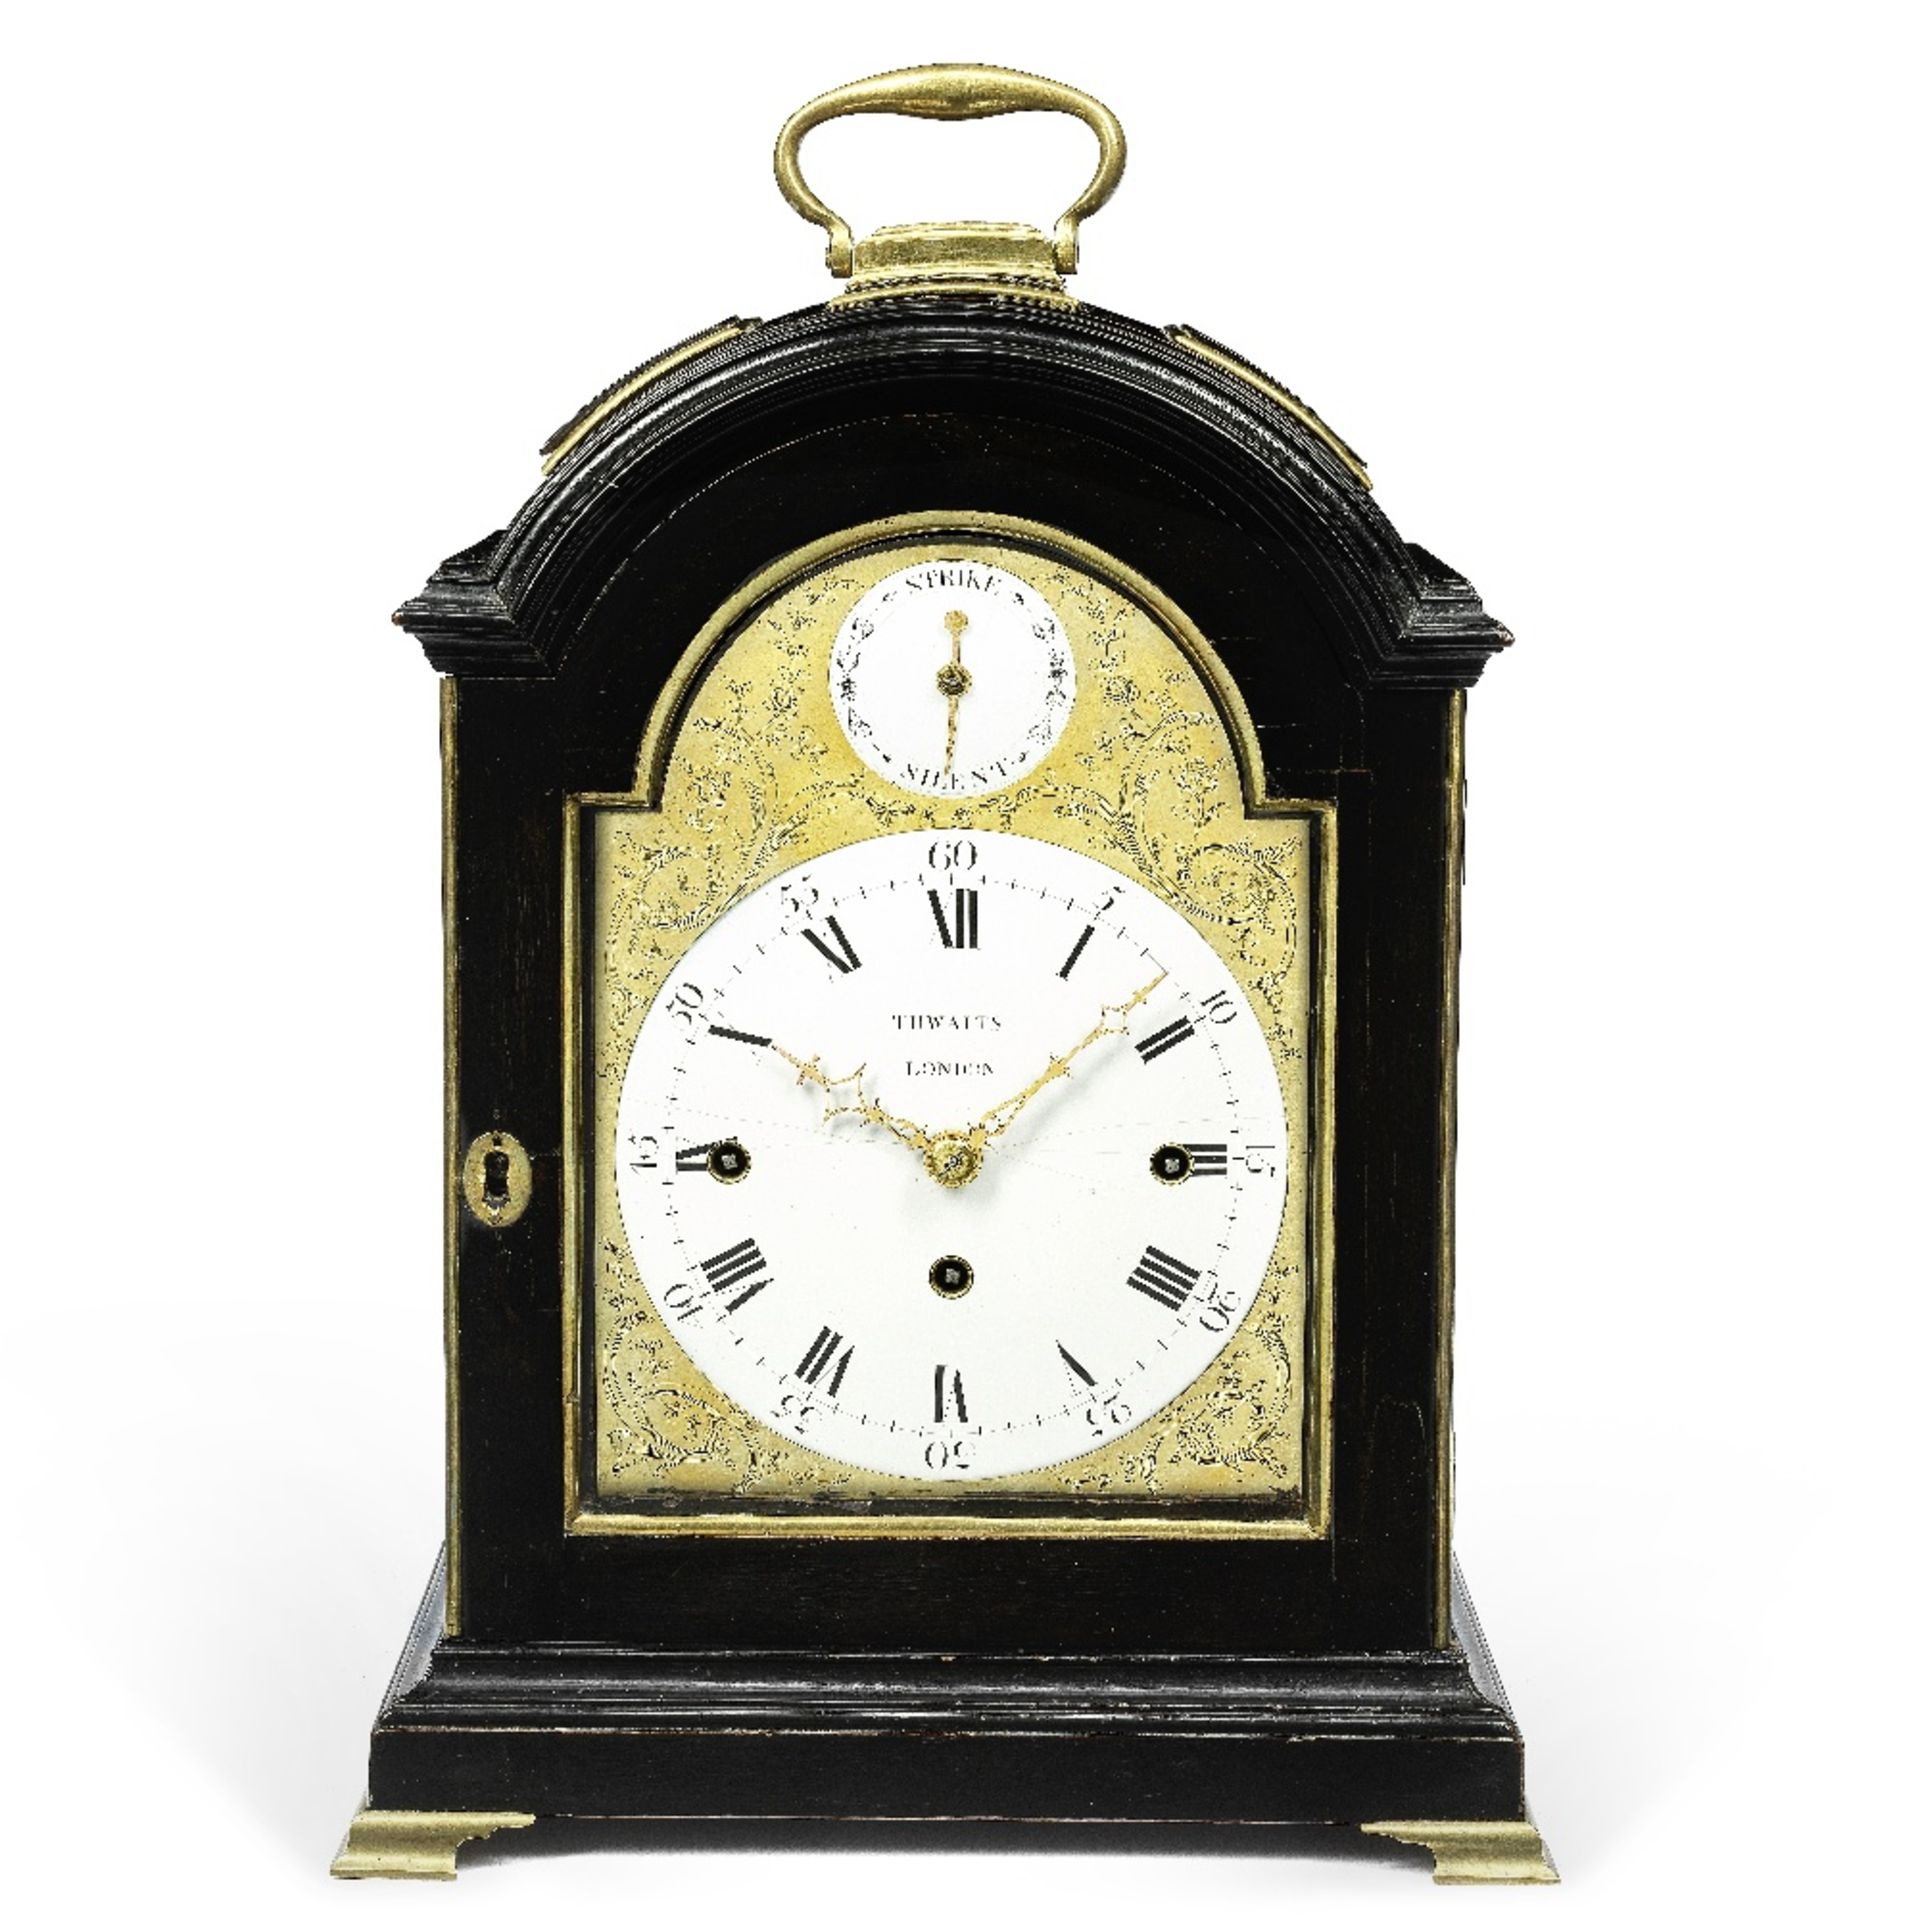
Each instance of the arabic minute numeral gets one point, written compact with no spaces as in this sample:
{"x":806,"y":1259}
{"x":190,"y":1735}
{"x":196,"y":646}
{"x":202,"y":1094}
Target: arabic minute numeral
{"x":953,"y":854}
{"x":1219,"y":1007}
{"x":1218,"y":1311}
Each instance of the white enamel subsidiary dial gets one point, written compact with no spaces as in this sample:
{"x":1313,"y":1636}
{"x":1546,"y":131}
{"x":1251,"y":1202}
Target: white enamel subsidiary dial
{"x":953,"y":677}
{"x":951,"y":1155}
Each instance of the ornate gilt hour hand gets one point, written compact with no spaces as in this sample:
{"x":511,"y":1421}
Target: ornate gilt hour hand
{"x":848,"y":1096}
{"x":951,"y":1157}
{"x":953,"y":680}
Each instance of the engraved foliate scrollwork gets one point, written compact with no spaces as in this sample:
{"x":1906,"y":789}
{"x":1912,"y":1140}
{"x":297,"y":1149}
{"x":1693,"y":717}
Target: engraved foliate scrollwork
{"x":762,"y":777}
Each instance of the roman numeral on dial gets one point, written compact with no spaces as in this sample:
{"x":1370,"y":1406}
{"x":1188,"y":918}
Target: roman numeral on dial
{"x":1165,"y":1278}
{"x":813,"y":1365}
{"x":733,"y":1267}
{"x":1073,"y":956}
{"x":963,"y":932}
{"x":1079,"y":1368}
{"x":1209,"y":1159}
{"x":844,"y":959}
{"x":1164,"y":1039}
{"x":693,"y":1159}
{"x":948,"y":1395}
{"x":739,"y":1036}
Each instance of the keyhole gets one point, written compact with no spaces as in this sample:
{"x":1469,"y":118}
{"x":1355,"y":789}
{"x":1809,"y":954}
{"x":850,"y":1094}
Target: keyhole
{"x":496,"y":1178}
{"x":498,"y":1166}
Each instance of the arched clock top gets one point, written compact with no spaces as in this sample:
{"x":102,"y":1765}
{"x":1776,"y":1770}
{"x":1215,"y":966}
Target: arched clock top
{"x":965,"y":536}
{"x":968,"y":389}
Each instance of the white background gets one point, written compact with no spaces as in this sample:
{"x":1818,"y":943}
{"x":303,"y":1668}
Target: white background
{"x":1615,"y":300}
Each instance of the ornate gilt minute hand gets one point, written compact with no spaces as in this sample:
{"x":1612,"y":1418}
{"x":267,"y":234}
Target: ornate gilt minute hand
{"x":1113,"y":1020}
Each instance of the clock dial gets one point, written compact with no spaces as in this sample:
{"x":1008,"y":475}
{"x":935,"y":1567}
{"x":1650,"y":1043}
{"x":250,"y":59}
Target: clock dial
{"x":952,"y":677}
{"x":951,"y":1155}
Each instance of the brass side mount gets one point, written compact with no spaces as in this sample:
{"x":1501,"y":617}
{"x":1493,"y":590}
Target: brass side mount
{"x":959,"y":255}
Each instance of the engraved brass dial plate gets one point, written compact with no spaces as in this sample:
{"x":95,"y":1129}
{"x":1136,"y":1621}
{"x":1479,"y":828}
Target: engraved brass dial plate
{"x":747,"y":777}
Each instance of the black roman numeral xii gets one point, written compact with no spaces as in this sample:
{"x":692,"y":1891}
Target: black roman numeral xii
{"x":963,"y":931}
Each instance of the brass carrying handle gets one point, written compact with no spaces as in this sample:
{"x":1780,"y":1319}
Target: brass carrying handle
{"x":950,"y":93}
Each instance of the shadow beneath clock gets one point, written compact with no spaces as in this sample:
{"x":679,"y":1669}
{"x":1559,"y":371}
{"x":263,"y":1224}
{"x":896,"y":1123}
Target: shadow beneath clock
{"x":562,"y":1835}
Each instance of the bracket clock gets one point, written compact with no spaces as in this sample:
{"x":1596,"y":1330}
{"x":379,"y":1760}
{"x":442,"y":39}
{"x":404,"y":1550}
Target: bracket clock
{"x":953,"y":835}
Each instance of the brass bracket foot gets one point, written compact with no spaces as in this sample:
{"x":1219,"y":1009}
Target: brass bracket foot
{"x":410,"y":1844}
{"x":1469,"y":1851}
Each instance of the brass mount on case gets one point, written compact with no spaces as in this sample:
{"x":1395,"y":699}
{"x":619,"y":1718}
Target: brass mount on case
{"x":958,"y":255}
{"x":1476,"y":1853}
{"x":413,"y":1844}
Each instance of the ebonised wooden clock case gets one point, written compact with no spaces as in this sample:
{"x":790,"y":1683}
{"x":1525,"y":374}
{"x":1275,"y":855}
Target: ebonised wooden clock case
{"x":1331,"y":1680}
